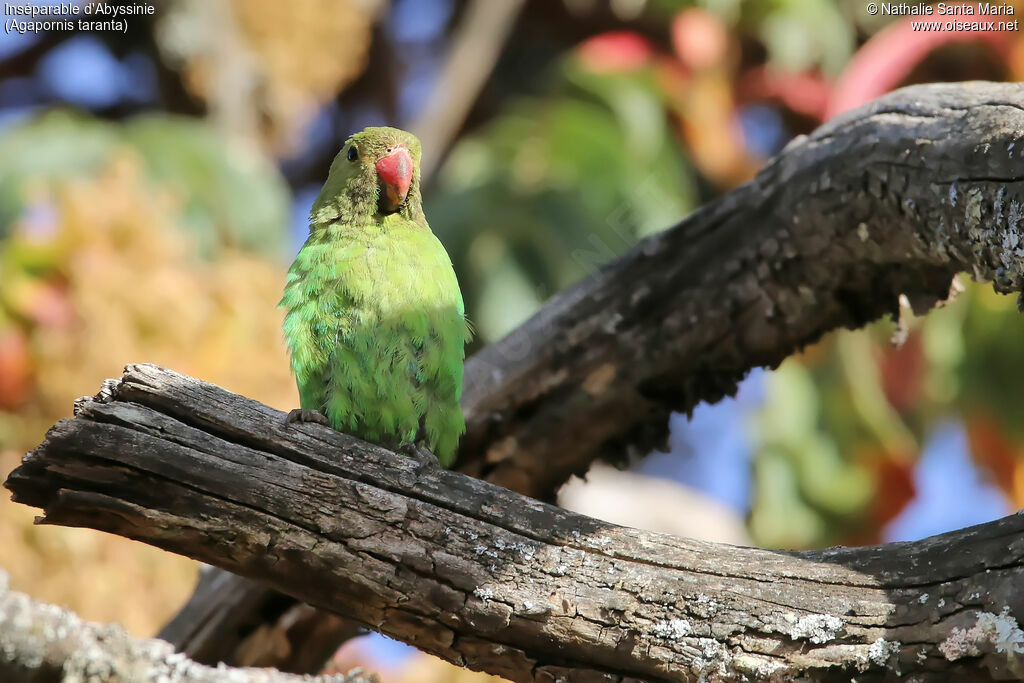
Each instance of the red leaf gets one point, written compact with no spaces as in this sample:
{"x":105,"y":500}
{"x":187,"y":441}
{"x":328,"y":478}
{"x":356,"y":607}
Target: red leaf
{"x":615,"y":52}
{"x":902,"y":370}
{"x":894,"y":488}
{"x":994,"y":450}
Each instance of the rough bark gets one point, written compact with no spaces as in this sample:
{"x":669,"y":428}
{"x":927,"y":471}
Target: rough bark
{"x":41,"y":642}
{"x":241,"y":622}
{"x":892,"y":198}
{"x":495,"y":581}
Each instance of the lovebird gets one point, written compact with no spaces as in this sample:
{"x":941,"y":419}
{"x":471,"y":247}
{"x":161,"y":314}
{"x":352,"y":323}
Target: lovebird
{"x":375,"y":322}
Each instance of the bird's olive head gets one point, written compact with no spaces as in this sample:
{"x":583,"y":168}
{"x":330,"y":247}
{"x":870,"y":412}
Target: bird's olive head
{"x":384,"y":161}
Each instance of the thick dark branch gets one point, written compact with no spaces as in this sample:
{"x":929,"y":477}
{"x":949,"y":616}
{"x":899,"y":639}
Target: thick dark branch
{"x":495,"y":581}
{"x":241,"y":622}
{"x":892,"y":198}
{"x":41,"y":642}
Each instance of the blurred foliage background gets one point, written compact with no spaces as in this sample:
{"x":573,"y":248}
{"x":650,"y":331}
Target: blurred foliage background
{"x":154,"y":185}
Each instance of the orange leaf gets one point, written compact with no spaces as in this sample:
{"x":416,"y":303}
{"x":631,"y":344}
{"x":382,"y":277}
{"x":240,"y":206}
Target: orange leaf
{"x":699,"y":39}
{"x":15,"y":369}
{"x":992,"y":449}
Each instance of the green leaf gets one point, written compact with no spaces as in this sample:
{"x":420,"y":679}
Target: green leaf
{"x":232,"y":195}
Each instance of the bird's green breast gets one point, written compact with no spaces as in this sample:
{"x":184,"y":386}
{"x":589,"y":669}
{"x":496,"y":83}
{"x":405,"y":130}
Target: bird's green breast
{"x":376,"y":330}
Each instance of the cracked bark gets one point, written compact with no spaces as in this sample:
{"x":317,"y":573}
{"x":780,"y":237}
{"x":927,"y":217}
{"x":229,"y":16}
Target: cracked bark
{"x":41,"y":642}
{"x":498,"y":582}
{"x":892,"y":198}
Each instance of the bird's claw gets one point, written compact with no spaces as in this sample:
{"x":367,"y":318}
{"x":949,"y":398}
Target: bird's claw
{"x":306,"y":415}
{"x":420,"y":454}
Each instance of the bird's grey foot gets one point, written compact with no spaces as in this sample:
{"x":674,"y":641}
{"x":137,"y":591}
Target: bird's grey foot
{"x":305,"y":415}
{"x":420,"y":454}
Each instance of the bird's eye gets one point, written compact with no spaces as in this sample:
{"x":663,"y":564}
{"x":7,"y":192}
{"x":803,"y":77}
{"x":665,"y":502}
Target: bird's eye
{"x":353,"y":153}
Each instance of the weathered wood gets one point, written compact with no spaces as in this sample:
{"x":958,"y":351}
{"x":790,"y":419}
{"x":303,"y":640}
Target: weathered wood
{"x":41,"y":643}
{"x":892,"y":198}
{"x":241,"y":622}
{"x":487,"y":578}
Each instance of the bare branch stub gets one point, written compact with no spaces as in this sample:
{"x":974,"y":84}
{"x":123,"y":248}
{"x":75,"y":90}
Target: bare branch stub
{"x":487,"y":578}
{"x":41,"y":642}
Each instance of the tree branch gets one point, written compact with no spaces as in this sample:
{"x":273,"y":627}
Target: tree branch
{"x":41,"y":642}
{"x":241,"y":622}
{"x":888,"y":199}
{"x":891,"y":198}
{"x":492,"y":580}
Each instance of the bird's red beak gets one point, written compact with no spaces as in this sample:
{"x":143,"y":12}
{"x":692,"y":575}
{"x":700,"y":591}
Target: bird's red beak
{"x":394,"y":170}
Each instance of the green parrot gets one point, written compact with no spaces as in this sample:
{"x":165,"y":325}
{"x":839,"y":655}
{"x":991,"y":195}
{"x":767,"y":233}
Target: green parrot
{"x":375,"y":322}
